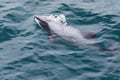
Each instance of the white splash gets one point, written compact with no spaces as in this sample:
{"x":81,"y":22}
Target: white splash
{"x":58,"y":18}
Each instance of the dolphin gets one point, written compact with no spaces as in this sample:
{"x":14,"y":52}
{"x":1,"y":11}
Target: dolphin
{"x":65,"y":33}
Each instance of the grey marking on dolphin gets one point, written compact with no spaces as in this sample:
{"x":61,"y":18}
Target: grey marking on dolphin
{"x":66,"y":33}
{"x":44,"y":24}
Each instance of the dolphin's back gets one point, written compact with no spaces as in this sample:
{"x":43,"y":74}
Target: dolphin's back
{"x":72,"y":36}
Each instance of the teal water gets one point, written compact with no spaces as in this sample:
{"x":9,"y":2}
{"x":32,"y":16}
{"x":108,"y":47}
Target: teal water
{"x":26,"y":54}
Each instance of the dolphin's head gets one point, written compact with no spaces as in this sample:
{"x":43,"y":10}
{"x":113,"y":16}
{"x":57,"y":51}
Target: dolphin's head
{"x":51,"y":23}
{"x":43,"y":22}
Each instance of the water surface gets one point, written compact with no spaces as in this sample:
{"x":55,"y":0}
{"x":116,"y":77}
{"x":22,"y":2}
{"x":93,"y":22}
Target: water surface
{"x":26,"y":54}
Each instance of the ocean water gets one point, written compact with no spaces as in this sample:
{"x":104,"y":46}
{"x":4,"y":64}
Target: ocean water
{"x":26,"y":53}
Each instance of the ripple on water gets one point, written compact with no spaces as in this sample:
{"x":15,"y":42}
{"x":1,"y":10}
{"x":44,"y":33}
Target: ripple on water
{"x":26,"y":54}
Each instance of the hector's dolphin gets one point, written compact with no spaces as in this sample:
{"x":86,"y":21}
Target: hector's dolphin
{"x":67,"y":34}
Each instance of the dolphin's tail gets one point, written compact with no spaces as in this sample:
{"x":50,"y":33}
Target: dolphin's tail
{"x":110,"y":48}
